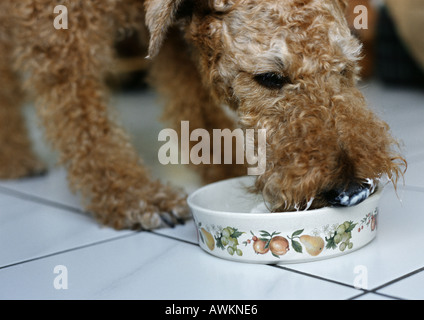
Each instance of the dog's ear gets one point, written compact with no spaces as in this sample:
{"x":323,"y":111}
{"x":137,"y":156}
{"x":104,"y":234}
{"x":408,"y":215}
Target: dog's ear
{"x":160,"y":15}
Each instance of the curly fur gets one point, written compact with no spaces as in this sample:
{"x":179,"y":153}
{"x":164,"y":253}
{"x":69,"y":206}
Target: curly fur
{"x":320,"y":134}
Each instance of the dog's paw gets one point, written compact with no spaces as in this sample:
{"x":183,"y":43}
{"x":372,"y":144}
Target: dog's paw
{"x":155,"y":206}
{"x":162,"y":210}
{"x":156,"y":218}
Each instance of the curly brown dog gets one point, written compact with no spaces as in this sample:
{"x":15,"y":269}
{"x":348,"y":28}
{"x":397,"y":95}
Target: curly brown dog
{"x":287,"y":66}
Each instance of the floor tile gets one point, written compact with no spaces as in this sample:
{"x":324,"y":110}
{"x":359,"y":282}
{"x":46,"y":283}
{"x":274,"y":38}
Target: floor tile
{"x":414,"y":176}
{"x":396,"y":251}
{"x":51,"y":187}
{"x":30,"y":230}
{"x":408,"y":288}
{"x":186,"y":232}
{"x":403,"y":109}
{"x":148,"y":266}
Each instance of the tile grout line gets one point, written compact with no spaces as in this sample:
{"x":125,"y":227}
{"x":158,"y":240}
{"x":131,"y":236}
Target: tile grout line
{"x":357,"y":296}
{"x":173,"y":238}
{"x":279,"y":266}
{"x":28,"y":197}
{"x":389,"y":296}
{"x":376,"y":293}
{"x":364,"y":291}
{"x":67,"y":250}
{"x":39,"y":200}
{"x":405,"y":276}
{"x":92,"y":245}
{"x":42,"y":201}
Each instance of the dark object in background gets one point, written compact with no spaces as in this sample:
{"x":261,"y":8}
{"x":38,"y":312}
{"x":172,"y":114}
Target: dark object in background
{"x":394,"y":64}
{"x":131,"y":65}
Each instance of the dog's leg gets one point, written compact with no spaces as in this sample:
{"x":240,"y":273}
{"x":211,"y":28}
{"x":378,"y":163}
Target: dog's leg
{"x":66,"y":70}
{"x":176,"y":77}
{"x":17,"y":159}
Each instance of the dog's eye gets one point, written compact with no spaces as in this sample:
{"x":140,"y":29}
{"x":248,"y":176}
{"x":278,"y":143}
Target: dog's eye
{"x":272,"y":80}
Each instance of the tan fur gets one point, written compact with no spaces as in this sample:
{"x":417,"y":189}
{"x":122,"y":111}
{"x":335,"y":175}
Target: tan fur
{"x":204,"y":53}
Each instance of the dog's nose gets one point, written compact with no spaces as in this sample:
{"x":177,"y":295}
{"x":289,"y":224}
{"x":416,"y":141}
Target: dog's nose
{"x":354,"y":194}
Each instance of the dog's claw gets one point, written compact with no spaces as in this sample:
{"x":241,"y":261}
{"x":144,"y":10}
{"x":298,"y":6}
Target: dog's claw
{"x":167,"y":219}
{"x":181,"y":221}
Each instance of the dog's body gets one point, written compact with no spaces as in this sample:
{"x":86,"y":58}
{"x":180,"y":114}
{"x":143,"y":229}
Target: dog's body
{"x":287,"y":66}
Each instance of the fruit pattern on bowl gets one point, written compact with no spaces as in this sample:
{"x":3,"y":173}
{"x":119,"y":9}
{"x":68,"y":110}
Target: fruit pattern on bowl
{"x":236,"y":242}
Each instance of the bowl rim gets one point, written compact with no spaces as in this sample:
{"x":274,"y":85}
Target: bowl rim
{"x":291,"y":214}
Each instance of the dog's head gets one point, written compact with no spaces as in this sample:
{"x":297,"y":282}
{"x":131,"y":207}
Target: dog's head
{"x":290,"y":67}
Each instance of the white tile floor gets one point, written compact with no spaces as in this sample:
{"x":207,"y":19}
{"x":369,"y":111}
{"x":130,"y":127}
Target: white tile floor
{"x":43,"y":226}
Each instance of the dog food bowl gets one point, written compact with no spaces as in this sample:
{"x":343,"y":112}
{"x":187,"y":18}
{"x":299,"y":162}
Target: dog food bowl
{"x":235,"y":224}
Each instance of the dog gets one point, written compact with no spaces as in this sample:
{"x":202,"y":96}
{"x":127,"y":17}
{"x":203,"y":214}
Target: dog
{"x":287,"y":66}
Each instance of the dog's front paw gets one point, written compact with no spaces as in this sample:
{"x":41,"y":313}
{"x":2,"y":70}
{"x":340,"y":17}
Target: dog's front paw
{"x":154,"y":206}
{"x":164,"y":207}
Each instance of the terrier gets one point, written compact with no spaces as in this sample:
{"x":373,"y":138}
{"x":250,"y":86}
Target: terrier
{"x":287,"y":66}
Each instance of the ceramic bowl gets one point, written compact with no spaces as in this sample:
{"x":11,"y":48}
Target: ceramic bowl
{"x":234,"y":224}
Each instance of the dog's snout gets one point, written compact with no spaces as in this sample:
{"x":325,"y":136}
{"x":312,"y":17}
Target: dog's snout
{"x":348,"y":196}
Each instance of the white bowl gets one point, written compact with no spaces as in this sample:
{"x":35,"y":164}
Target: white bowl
{"x":228,"y":229}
